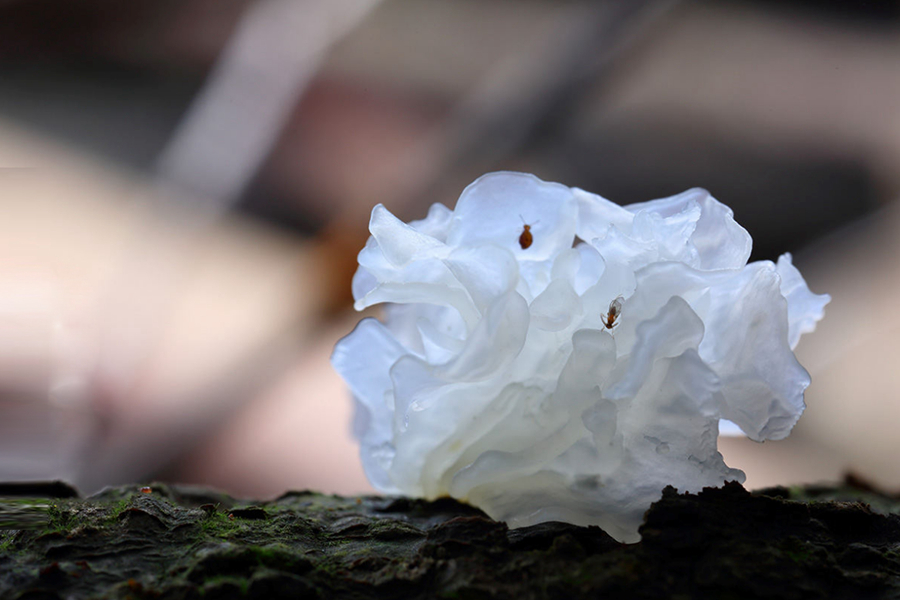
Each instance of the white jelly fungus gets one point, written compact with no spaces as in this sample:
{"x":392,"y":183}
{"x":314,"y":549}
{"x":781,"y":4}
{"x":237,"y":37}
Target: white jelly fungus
{"x":572,"y":373}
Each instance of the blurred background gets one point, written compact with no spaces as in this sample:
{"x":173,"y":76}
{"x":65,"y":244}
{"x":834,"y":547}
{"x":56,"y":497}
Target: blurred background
{"x":184,"y":186}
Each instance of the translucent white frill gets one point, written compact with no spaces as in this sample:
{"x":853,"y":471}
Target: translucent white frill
{"x":495,"y":380}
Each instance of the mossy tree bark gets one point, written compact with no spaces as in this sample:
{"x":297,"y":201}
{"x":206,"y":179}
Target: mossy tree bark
{"x":181,"y":543}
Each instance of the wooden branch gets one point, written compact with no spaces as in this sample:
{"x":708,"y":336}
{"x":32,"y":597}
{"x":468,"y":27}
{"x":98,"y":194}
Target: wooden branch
{"x":178,"y":542}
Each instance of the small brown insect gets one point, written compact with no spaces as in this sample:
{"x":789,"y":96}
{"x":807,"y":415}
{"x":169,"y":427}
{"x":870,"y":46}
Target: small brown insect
{"x":526,"y":238}
{"x":615,"y":309}
{"x":146,"y":490}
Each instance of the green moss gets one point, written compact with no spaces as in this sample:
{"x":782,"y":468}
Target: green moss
{"x":23,"y":513}
{"x":220,"y":525}
{"x":24,"y":502}
{"x":800,"y":556}
{"x":279,"y":557}
{"x":217,"y":582}
{"x":115,"y":511}
{"x":62,"y":517}
{"x":393,"y":530}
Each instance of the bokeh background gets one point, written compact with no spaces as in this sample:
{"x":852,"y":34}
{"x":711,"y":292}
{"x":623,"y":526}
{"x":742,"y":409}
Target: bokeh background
{"x":184,"y":185}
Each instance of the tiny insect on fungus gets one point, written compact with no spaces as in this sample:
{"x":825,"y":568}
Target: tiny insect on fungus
{"x":526,"y":237}
{"x":615,"y":309}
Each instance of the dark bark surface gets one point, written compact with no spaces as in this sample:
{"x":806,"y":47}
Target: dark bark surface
{"x":181,"y":543}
